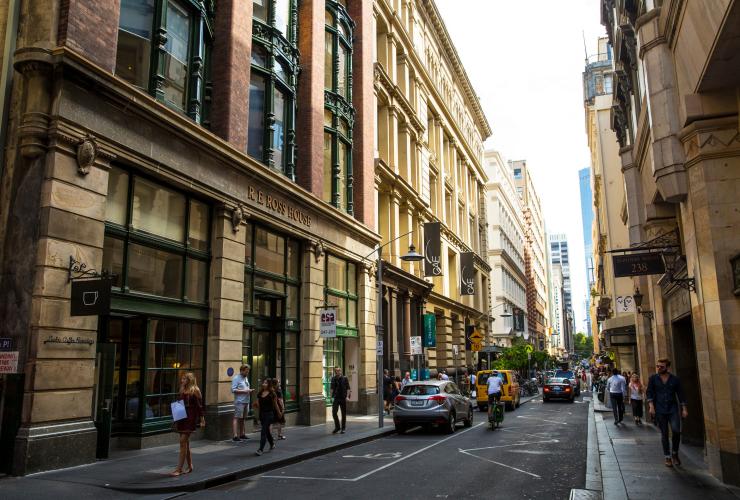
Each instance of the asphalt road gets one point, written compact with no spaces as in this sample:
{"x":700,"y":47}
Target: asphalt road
{"x":539,"y":452}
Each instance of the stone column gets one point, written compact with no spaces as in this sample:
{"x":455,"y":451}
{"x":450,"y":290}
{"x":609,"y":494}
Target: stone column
{"x":232,"y":49}
{"x":225,"y":331}
{"x":393,"y":139}
{"x":406,"y":329}
{"x":392,"y":251}
{"x":312,"y":402}
{"x":404,"y":151}
{"x":368,"y":396}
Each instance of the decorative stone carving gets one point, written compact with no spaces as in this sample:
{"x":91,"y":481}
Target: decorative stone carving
{"x":318,"y":250}
{"x":87,"y":152}
{"x":239,"y":216}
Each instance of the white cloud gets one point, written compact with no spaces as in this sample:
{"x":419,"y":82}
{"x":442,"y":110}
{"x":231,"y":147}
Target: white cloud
{"x":525,"y":59}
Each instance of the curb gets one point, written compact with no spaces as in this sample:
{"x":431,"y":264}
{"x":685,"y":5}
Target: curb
{"x":228,"y":477}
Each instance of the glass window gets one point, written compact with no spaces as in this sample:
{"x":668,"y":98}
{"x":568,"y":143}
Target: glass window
{"x":290,"y":365}
{"x":328,"y":169}
{"x":342,"y":73}
{"x":336,"y":277}
{"x":291,"y":303}
{"x":341,"y":288}
{"x":176,"y":55}
{"x":256,"y":130}
{"x":154,"y":271}
{"x":134,"y":41}
{"x":294,"y":259}
{"x":158,"y":210}
{"x":197,"y":273}
{"x":352,"y":278}
{"x":116,"y":209}
{"x":341,"y":176}
{"x":328,"y":60}
{"x":333,"y":356}
{"x":259,"y":55}
{"x":282,"y":17}
{"x":259,"y":10}
{"x":278,"y":145}
{"x":113,"y":259}
{"x":198,"y":226}
{"x":269,"y":249}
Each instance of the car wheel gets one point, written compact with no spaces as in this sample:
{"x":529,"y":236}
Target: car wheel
{"x":468,"y":422}
{"x":518,"y":402}
{"x":400,"y":428}
{"x":451,"y":423}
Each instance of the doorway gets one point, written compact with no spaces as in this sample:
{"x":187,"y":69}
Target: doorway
{"x":266,"y":339}
{"x":686,"y":368}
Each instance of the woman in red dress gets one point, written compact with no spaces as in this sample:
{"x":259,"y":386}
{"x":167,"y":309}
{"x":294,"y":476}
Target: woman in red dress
{"x":190,"y":395}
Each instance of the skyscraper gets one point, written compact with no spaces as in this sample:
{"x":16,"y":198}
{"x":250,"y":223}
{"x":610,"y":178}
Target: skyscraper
{"x":587,"y":218}
{"x":559,"y":255}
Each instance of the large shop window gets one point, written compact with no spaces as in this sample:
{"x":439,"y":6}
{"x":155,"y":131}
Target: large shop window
{"x":340,"y":292}
{"x":338,"y":111}
{"x":156,"y":242}
{"x":272,"y":86}
{"x":271,"y":335}
{"x":164,"y":48}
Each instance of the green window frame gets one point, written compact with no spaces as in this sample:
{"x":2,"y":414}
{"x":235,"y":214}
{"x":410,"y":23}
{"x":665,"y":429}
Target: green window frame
{"x":339,"y":114}
{"x":340,"y":291}
{"x":164,"y":48}
{"x":333,"y":356}
{"x":273,"y":85}
{"x":157,"y":245}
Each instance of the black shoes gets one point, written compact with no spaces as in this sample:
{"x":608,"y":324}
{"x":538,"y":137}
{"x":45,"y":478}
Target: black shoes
{"x":342,"y":431}
{"x":335,"y":431}
{"x":235,"y":439}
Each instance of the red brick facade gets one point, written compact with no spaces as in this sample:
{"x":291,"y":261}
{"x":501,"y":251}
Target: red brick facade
{"x":91,"y":29}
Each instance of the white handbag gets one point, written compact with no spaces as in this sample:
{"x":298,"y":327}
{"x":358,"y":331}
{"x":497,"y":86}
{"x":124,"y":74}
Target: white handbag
{"x":178,"y":410}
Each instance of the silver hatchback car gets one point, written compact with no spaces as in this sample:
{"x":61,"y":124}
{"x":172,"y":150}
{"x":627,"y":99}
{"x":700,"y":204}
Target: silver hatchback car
{"x":432,"y":402}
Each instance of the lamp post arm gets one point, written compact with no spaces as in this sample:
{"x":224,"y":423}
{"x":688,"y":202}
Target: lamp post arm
{"x":380,"y":247}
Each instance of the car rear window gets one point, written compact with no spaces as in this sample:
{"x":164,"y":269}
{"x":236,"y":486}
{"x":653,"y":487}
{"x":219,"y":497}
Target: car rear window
{"x":483,"y":378}
{"x":420,"y":390}
{"x":564,"y":374}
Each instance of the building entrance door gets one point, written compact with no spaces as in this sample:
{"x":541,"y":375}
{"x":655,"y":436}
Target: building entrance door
{"x":267,"y":339}
{"x":105,"y":367}
{"x":686,"y":367}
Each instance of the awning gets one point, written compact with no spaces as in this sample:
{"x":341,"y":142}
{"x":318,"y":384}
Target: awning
{"x":619,"y":330}
{"x":620,"y":322}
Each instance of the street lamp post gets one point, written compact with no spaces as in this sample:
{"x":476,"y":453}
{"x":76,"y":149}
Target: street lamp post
{"x":411,"y":256}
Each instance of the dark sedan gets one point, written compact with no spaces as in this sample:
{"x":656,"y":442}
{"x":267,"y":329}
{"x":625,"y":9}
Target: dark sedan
{"x":558,"y":388}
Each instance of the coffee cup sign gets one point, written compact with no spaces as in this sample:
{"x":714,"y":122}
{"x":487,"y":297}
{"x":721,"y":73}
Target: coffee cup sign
{"x":90,"y":297}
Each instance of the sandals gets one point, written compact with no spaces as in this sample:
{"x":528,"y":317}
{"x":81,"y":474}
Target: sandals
{"x":176,"y":473}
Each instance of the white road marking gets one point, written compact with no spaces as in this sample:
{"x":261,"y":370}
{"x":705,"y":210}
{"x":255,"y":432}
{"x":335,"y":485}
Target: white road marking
{"x":377,"y":456}
{"x":543,"y":419}
{"x":521,"y":443}
{"x":370,"y":473}
{"x":502,"y":465}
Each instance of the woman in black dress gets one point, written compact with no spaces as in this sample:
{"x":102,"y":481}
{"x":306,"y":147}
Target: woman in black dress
{"x":190,"y":395}
{"x":266,"y":406}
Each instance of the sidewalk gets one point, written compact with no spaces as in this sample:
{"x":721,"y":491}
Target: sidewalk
{"x":632,"y":466}
{"x":214,"y":462}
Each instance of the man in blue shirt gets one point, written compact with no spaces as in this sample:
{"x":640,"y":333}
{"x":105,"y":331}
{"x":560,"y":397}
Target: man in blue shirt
{"x":664,"y":394}
{"x":241,"y":390}
{"x":617,"y":387}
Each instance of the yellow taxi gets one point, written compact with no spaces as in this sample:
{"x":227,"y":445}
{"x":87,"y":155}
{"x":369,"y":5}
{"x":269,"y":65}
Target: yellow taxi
{"x":509,"y":389}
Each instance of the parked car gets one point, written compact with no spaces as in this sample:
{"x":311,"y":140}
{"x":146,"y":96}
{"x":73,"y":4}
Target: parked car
{"x":558,"y":388}
{"x":509,"y":390}
{"x":571,"y":376}
{"x":432,"y":403}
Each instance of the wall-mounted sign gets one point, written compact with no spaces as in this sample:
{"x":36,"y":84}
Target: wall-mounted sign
{"x":328,"y":327}
{"x":637,"y":264}
{"x":430,"y":330}
{"x":8,"y":362}
{"x":278,"y":206}
{"x":625,"y":304}
{"x":379,"y":348}
{"x":432,"y":249}
{"x":55,"y":339}
{"x":6,"y":344}
{"x":90,"y":297}
{"x":416,"y":347}
{"x":467,"y":273}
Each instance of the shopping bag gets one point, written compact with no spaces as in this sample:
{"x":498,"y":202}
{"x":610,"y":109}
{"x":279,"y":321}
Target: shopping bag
{"x":178,"y":410}
{"x":474,"y":395}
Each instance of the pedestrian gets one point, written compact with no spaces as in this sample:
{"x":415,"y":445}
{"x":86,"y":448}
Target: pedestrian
{"x":279,"y":424}
{"x":387,"y":391}
{"x":617,"y":387}
{"x":396,"y":389}
{"x":191,"y":397}
{"x":266,"y":407}
{"x":584,"y":383}
{"x":473,"y":380}
{"x":664,"y":395}
{"x":465,"y":383}
{"x":637,"y":391}
{"x":444,"y":375}
{"x":406,"y":380}
{"x":242,"y":392}
{"x":340,"y":392}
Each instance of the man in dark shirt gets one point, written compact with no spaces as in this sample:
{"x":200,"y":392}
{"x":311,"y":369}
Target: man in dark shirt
{"x":664,"y":394}
{"x":340,"y":392}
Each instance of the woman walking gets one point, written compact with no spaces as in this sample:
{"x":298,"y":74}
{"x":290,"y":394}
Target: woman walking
{"x":191,"y":397}
{"x":266,"y":406}
{"x":279,"y":423}
{"x":637,"y":393}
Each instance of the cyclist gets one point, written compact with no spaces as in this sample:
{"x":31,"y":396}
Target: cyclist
{"x":494,"y":391}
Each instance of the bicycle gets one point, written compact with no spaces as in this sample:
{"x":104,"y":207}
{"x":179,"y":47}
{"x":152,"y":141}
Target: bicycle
{"x":496,"y":416}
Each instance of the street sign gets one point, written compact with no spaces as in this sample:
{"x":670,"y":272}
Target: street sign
{"x":455,"y":349}
{"x":90,"y":297}
{"x":416,"y":345}
{"x":379,"y":348}
{"x":638,"y":264}
{"x":430,"y":330}
{"x":529,"y":356}
{"x":328,"y":326}
{"x":9,"y":362}
{"x":6,"y":344}
{"x":476,"y":346}
{"x":529,"y":348}
{"x":476,"y":336}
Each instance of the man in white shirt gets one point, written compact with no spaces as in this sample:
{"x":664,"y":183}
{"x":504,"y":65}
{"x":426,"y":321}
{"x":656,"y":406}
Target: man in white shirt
{"x":617,"y":387}
{"x":240,"y":389}
{"x":494,"y":391}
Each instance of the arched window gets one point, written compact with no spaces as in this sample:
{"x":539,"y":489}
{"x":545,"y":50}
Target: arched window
{"x":272,"y":86}
{"x":164,"y":48}
{"x":338,"y":111}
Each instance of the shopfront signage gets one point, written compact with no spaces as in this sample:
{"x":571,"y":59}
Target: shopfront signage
{"x":278,"y":205}
{"x":432,"y":249}
{"x":430,"y":330}
{"x":416,"y":347}
{"x":90,"y":297}
{"x":6,"y":344}
{"x":54,"y":339}
{"x":467,"y":273}
{"x":637,"y":264}
{"x":328,"y":327}
{"x":8,"y":362}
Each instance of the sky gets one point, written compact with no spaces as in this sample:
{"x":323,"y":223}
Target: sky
{"x":525,"y":59}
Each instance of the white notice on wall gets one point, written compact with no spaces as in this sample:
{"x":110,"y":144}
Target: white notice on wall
{"x":328,"y":327}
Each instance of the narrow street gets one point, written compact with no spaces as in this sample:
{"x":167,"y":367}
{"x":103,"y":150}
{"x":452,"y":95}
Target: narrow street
{"x":539,"y":452}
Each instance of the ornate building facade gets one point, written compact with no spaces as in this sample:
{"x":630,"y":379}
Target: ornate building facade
{"x":675,"y":115}
{"x":428,"y":168}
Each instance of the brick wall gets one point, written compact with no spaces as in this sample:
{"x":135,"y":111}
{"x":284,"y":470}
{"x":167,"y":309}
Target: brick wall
{"x":90,"y":28}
